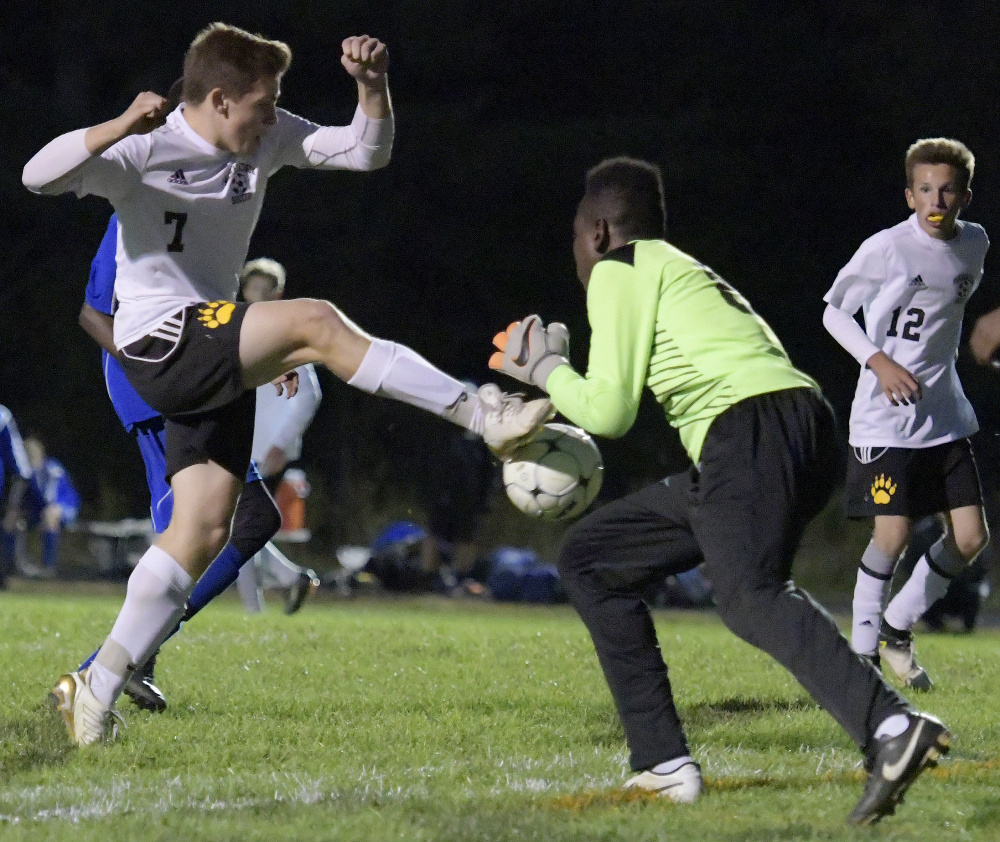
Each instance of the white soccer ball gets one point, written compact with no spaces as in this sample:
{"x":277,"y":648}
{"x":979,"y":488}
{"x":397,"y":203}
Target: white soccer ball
{"x":556,"y":475}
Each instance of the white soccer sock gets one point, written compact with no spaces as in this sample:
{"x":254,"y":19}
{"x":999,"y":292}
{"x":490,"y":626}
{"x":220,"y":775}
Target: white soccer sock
{"x":874,"y":576}
{"x":927,"y":584}
{"x":276,"y":568}
{"x":249,"y":587}
{"x":399,"y":372}
{"x":154,"y":602}
{"x":892,"y":726}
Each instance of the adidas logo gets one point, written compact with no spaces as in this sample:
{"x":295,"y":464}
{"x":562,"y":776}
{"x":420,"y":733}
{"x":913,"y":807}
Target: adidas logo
{"x":917,"y":283}
{"x":178,"y":178}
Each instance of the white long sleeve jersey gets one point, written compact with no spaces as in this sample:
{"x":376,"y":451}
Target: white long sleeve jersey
{"x":281,"y":421}
{"x":186,"y":209}
{"x":912,"y":290}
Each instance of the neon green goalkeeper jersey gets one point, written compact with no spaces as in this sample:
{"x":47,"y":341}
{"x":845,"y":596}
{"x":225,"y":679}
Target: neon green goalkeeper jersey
{"x":659,"y":318}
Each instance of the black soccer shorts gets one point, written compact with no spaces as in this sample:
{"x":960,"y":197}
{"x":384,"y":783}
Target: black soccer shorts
{"x":912,"y":482}
{"x":195,"y":380}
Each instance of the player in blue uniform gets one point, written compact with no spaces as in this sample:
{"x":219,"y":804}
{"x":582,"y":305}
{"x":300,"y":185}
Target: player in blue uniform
{"x":257,"y":517}
{"x":50,"y":503}
{"x":14,"y":461}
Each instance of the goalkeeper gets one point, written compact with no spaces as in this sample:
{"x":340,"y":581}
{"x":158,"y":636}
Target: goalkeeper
{"x":762,"y":443}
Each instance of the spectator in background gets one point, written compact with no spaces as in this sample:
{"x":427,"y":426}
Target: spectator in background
{"x":277,"y":441}
{"x":13,"y":462}
{"x":49,"y":503}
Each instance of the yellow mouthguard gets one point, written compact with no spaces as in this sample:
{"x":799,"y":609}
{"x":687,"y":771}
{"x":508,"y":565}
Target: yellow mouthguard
{"x":935,"y":217}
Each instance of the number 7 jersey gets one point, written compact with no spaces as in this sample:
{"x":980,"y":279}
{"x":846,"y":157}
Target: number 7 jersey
{"x":187,"y":209}
{"x":912,"y":290}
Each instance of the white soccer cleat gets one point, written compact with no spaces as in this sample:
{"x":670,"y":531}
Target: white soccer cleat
{"x":87,"y":720}
{"x":683,"y":785}
{"x":509,"y":420}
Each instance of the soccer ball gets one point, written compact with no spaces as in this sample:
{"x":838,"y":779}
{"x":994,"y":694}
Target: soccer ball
{"x":556,"y":475}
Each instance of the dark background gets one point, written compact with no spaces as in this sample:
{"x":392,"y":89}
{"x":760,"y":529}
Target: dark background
{"x":780,"y":128}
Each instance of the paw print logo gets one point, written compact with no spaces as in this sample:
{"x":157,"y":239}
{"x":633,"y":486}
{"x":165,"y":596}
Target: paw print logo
{"x":883,"y":489}
{"x":216,"y":313}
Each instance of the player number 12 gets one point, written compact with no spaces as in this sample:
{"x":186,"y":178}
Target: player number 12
{"x":916,"y":318}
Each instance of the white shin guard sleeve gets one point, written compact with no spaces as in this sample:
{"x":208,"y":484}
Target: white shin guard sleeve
{"x":154,"y":602}
{"x":874,"y":576}
{"x":927,"y":584}
{"x":398,"y":372}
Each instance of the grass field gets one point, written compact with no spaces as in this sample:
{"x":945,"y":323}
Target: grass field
{"x":437,"y":720}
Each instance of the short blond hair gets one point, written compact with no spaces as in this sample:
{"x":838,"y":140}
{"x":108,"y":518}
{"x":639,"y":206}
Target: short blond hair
{"x":230,"y":58}
{"x":941,"y":150}
{"x":268,"y":268}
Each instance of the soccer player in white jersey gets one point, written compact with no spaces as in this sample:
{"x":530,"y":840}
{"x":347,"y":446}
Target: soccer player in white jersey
{"x":910,"y":419}
{"x":277,"y":440}
{"x":188,"y":192}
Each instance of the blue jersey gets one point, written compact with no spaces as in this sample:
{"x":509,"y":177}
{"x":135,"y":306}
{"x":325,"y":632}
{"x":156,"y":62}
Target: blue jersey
{"x":100,"y":295}
{"x":51,"y":484}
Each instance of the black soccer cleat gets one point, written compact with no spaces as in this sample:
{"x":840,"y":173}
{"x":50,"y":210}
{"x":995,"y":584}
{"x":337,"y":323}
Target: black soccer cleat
{"x":307,"y":582}
{"x":895,"y":765}
{"x":141,"y":689}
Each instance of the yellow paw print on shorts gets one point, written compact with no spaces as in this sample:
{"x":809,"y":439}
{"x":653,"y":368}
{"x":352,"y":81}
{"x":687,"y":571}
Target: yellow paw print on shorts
{"x":216,"y":313}
{"x":883,"y":489}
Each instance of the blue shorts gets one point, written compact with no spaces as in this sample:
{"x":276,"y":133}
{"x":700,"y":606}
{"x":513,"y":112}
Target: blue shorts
{"x":150,"y":435}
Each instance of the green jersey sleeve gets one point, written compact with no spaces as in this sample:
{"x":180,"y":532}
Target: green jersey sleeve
{"x":661,"y":319}
{"x":621,"y":308}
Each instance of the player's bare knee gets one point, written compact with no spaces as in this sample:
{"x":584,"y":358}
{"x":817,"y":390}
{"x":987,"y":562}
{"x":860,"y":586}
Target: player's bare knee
{"x":970,"y":546}
{"x":891,"y":537}
{"x":323,"y":325}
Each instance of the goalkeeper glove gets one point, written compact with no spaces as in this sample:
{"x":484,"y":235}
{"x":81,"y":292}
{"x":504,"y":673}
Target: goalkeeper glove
{"x":530,"y":351}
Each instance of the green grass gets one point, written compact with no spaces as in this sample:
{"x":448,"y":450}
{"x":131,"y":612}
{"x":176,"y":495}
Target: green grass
{"x":435,"y":720}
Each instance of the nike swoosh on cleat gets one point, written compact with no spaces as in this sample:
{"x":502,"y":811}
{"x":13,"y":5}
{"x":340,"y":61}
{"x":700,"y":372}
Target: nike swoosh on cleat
{"x":892,"y":771}
{"x":667,"y":785}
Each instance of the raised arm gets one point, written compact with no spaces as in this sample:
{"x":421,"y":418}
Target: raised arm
{"x":367,"y":60}
{"x":366,"y":144}
{"x":51,"y":168}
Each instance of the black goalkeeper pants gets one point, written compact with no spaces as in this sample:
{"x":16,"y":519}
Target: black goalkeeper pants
{"x":768,"y":467}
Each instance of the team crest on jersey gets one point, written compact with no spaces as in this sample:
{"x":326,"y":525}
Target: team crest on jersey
{"x":963,"y":285}
{"x":241,"y":182}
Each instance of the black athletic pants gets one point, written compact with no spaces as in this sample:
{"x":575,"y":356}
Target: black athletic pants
{"x":768,"y":467}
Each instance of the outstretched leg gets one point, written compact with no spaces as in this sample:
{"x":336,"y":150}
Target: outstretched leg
{"x":277,"y":336}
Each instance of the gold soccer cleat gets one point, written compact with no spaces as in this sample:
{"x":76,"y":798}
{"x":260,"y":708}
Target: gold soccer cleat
{"x":86,"y":719}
